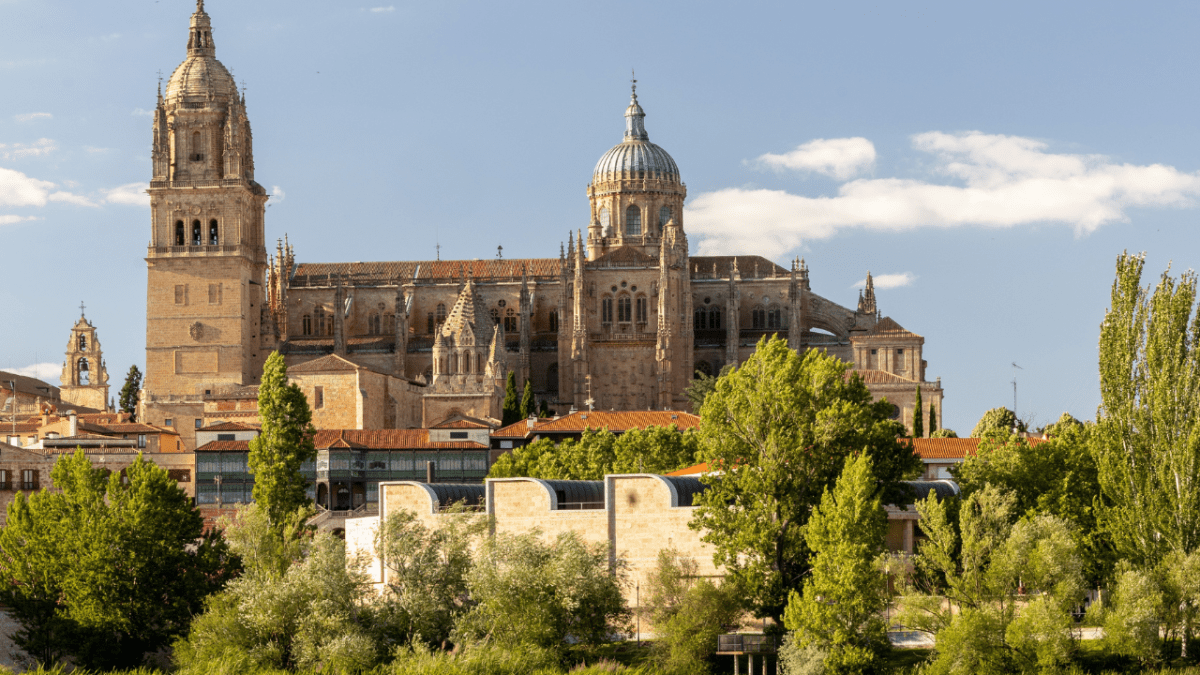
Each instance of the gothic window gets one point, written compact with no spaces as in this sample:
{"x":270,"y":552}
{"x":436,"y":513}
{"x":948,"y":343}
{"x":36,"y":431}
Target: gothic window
{"x":774,"y":318}
{"x":212,"y":233}
{"x":373,"y":324}
{"x":714,"y":318}
{"x":320,"y":312}
{"x":758,"y":318}
{"x":441,"y":313}
{"x":466,"y":362}
{"x":389,"y":323}
{"x":633,"y":220}
{"x":552,"y":379}
{"x":700,"y":319}
{"x":664,"y":216}
{"x":83,"y":343}
{"x":428,"y":374}
{"x":306,"y":324}
{"x":180,"y":237}
{"x":195,"y":233}
{"x":606,"y":310}
{"x":624,"y":309}
{"x":495,"y":315}
{"x":429,"y":324}
{"x":605,"y":226}
{"x":641,"y":310}
{"x":554,"y":321}
{"x":197,"y":147}
{"x":510,"y":321}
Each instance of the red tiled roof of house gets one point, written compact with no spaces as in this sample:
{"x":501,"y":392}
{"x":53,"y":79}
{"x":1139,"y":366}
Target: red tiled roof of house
{"x":230,"y":426}
{"x":519,"y":429}
{"x":618,"y":421}
{"x":225,"y":446}
{"x":888,"y":326}
{"x":20,"y":427}
{"x":326,"y":364}
{"x":386,"y":439}
{"x":702,"y":467}
{"x":952,"y":448}
{"x":137,"y":428}
{"x":462,"y":423}
{"x":507,"y":269}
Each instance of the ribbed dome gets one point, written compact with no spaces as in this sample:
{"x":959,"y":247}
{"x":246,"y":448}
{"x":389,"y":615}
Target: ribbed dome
{"x":636,"y":157}
{"x":200,"y":76}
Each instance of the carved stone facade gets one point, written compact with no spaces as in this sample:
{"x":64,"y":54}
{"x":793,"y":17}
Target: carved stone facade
{"x":84,"y":375}
{"x":620,"y":320}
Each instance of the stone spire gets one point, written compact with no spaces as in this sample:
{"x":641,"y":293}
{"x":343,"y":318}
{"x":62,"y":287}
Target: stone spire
{"x":866,"y":303}
{"x":200,"y":42}
{"x":635,"y":118}
{"x":526,"y":318}
{"x":795,"y":308}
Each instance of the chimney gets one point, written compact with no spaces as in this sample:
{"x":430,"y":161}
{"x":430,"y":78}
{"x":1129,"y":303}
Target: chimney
{"x":531,"y":422}
{"x":74,"y":428}
{"x":430,"y":470}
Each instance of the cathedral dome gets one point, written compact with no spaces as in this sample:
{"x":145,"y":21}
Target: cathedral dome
{"x":636,"y":156}
{"x":201,"y":74}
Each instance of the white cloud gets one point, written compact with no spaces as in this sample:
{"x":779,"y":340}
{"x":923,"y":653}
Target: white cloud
{"x":841,"y":158}
{"x":42,"y":371}
{"x":142,"y":112}
{"x":71,"y":198}
{"x":13,"y":220}
{"x":17,"y":189}
{"x":379,"y":10}
{"x":993,"y":181}
{"x":29,"y":117}
{"x":133,"y":194}
{"x":96,"y":151}
{"x":277,"y":193}
{"x":42,"y":146}
{"x":886,"y":281}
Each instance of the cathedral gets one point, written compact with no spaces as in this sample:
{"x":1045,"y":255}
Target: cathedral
{"x":622,"y":318}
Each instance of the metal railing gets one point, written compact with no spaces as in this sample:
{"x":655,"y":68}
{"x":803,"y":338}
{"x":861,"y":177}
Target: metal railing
{"x":579,"y":506}
{"x":747,"y":643}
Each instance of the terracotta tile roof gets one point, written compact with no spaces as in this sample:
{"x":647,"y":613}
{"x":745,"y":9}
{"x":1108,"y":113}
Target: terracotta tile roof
{"x":326,"y":364}
{"x":625,"y":256}
{"x":138,"y":428}
{"x":386,"y":439}
{"x":952,"y":448}
{"x":702,"y":266}
{"x":618,"y":421}
{"x":429,"y":271}
{"x":700,"y":468}
{"x":28,"y":385}
{"x":21,"y":427}
{"x":881,"y":377}
{"x":889,"y":328}
{"x":518,"y":429}
{"x":462,"y":423}
{"x":238,"y":392}
{"x":231,"y":426}
{"x":225,"y":446}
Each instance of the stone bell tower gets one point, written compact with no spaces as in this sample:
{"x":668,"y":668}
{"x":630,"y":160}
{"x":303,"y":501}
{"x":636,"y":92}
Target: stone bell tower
{"x":84,"y":375}
{"x":207,"y":258}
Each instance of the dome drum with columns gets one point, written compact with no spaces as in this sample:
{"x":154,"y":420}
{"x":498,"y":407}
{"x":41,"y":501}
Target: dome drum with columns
{"x":621,"y":319}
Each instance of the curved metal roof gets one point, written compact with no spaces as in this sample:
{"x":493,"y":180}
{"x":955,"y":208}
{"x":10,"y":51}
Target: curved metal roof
{"x":578,"y":491}
{"x":942,"y":489}
{"x":636,"y":156}
{"x":451,"y":493}
{"x":687,"y":487}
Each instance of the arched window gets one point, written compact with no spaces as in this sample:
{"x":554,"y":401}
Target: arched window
{"x":373,"y":324}
{"x":554,"y":321}
{"x":714,"y":318}
{"x":552,"y":379}
{"x":758,"y":318}
{"x":429,"y":324}
{"x":700,"y":319}
{"x":774,"y":318}
{"x":606,"y":310}
{"x":180,"y":237}
{"x":84,"y":375}
{"x":212,"y":233}
{"x":306,"y":324}
{"x":605,"y":223}
{"x":320,"y":314}
{"x":441,"y":313}
{"x":664,"y":217}
{"x":495,"y":315}
{"x":641,"y":310}
{"x":466,"y":361}
{"x":83,"y":343}
{"x":389,"y":323}
{"x":195,"y":233}
{"x":428,"y":374}
{"x":197,"y":147}
{"x":510,"y":321}
{"x":624,"y":309}
{"x":633,"y":220}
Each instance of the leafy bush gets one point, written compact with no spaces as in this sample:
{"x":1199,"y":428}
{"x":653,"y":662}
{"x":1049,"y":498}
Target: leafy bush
{"x":688,"y":613}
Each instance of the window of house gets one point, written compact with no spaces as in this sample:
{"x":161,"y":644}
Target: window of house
{"x":306,"y":324}
{"x":624,"y":309}
{"x":28,"y":479}
{"x":212,"y":233}
{"x":318,"y":397}
{"x":214,"y":294}
{"x":633,"y":220}
{"x":873,"y":351}
{"x":459,"y":435}
{"x":641,"y":310}
{"x":774,"y":318}
{"x":226,"y":437}
{"x":4,"y":479}
{"x":758,"y":318}
{"x":899,"y":351}
{"x":700,"y":319}
{"x":510,"y":320}
{"x":198,"y":424}
{"x":141,"y":440}
{"x":180,"y":294}
{"x":169,"y":422}
{"x":554,"y":321}
{"x":180,"y":237}
{"x":606,"y":310}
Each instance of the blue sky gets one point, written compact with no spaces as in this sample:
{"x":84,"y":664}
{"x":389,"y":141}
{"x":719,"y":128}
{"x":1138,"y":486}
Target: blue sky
{"x":988,"y":161}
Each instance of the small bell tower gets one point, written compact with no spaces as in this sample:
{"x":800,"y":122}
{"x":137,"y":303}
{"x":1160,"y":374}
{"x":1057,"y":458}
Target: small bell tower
{"x":84,"y":375}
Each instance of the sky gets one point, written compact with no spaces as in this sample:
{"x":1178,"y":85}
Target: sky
{"x":987,"y":162}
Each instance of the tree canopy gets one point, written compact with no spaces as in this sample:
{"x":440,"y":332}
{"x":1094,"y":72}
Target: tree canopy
{"x":997,"y":420}
{"x":130,"y":392}
{"x":510,"y":410}
{"x":779,"y":428}
{"x":600,"y":452}
{"x":285,"y":443}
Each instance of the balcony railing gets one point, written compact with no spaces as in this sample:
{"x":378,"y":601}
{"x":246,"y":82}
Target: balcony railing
{"x":579,"y":506}
{"x":747,"y":643}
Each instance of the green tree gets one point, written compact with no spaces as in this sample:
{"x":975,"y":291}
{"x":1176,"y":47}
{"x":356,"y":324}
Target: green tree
{"x":110,"y":568}
{"x":998,"y":596}
{"x":779,"y":429}
{"x":528,"y":405}
{"x":839,"y":611}
{"x":532,"y":592}
{"x":997,"y":420}
{"x":284,"y":444}
{"x":702,"y":385}
{"x":918,"y":418}
{"x":510,"y":412}
{"x":129,"y":392}
{"x":687,"y":613}
{"x":600,"y":452}
{"x":304,"y":606}
{"x":944,"y":433}
{"x":933,"y":424}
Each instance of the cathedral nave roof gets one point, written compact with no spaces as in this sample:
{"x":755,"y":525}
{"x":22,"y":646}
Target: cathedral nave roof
{"x":429,"y":271}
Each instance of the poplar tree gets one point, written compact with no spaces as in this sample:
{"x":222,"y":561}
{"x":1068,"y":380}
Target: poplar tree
{"x":933,"y":426}
{"x":285,"y":443}
{"x":129,"y":392}
{"x":918,"y":418}
{"x":528,"y":405}
{"x":510,"y":412}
